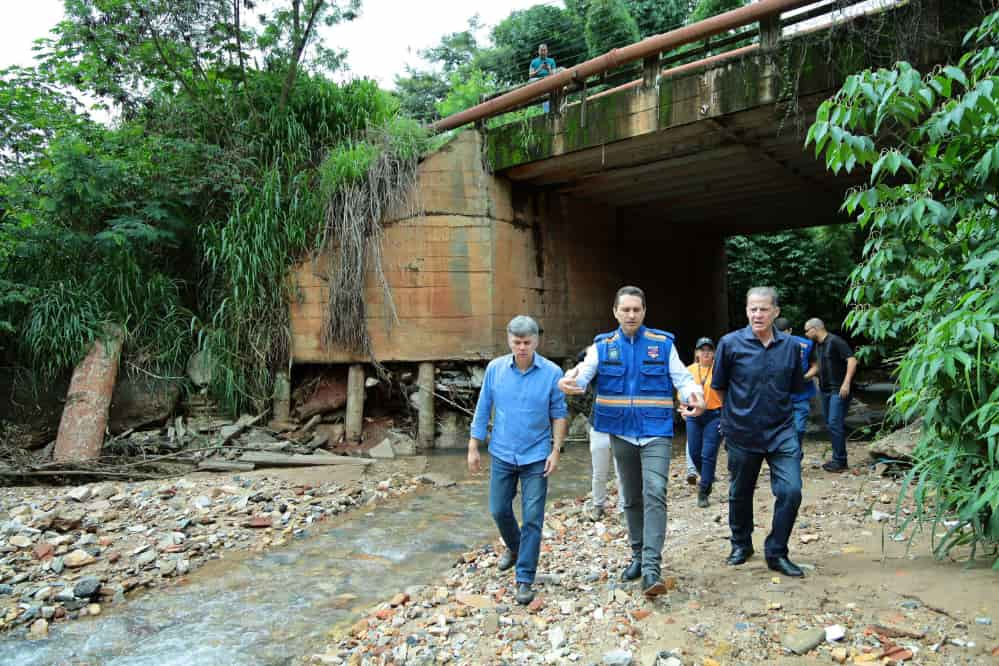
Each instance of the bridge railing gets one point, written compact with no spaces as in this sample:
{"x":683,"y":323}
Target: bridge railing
{"x":760,"y":25}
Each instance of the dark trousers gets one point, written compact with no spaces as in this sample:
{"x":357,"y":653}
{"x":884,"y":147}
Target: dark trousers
{"x":785,"y":482}
{"x":703,"y":436}
{"x":834,"y":408}
{"x":644,"y":471}
{"x":525,"y":540}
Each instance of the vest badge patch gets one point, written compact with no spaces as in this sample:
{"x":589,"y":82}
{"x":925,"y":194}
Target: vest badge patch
{"x":653,"y":351}
{"x":613,"y":353}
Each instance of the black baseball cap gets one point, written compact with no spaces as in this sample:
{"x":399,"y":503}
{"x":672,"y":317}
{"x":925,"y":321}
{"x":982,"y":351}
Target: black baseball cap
{"x":704,"y":341}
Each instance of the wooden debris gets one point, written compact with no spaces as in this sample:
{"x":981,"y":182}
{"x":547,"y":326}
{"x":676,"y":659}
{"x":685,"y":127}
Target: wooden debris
{"x":268,"y":459}
{"x":221,"y":465}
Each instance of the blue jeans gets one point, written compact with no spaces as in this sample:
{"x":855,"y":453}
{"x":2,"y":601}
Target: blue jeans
{"x":834,"y":408}
{"x":785,"y":483}
{"x":644,"y":472}
{"x":525,"y":540}
{"x":801,"y":409}
{"x":703,"y":435}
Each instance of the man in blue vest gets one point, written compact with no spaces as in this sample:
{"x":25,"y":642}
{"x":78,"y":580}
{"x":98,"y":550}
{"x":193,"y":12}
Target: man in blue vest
{"x":757,"y":370}
{"x":637,"y":369}
{"x":801,"y":402}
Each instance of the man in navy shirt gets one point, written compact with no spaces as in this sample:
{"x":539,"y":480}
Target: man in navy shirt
{"x":521,"y":392}
{"x":757,"y":370}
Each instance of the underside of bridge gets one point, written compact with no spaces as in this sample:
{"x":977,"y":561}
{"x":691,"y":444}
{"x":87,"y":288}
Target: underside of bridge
{"x":550,"y":215}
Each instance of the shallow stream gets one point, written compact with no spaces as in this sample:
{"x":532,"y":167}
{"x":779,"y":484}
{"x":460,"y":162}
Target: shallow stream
{"x":273,"y":607}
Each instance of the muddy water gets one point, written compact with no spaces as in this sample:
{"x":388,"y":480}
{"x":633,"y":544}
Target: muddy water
{"x":270,"y":608}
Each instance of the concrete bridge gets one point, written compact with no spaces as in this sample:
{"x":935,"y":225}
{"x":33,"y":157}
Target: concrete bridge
{"x":639,"y":185}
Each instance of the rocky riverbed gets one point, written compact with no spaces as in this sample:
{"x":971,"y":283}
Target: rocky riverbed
{"x":869,"y":595}
{"x":68,"y":552}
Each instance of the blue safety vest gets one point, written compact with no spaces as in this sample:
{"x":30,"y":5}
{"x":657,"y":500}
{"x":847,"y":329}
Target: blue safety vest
{"x":634,"y":389}
{"x":806,"y":351}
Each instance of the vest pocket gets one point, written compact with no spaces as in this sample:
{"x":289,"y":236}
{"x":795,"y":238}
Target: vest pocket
{"x":654,"y":378}
{"x":608,"y":416}
{"x":610,"y":378}
{"x":658,"y":420}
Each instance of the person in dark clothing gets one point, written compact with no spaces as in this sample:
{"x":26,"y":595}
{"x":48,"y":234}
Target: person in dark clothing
{"x":757,"y":371}
{"x":837,"y":366}
{"x":802,"y":402}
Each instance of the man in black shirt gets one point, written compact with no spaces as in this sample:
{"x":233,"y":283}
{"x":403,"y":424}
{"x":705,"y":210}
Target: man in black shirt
{"x":757,"y":371}
{"x":837,"y":365}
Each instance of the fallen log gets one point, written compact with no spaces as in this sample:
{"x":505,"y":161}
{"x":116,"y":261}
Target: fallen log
{"x":225,"y":466}
{"x":85,"y":417}
{"x":268,"y":459}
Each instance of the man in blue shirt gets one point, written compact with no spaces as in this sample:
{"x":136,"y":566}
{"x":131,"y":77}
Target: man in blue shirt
{"x":521,"y":392}
{"x":757,"y":370}
{"x":541,"y":66}
{"x":801,"y":402}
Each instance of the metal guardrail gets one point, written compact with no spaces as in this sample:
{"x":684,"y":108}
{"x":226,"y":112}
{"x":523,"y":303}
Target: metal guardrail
{"x":713,"y":40}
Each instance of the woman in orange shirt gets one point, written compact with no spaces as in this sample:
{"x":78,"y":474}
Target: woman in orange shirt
{"x":704,"y":431}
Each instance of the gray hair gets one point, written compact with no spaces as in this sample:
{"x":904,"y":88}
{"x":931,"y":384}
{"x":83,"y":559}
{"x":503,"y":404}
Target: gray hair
{"x":764,"y":292}
{"x":522,"y":326}
{"x":814,"y":322}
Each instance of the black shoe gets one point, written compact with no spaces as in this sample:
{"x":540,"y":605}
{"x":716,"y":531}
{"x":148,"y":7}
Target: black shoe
{"x":508,"y":559}
{"x":525,"y":594}
{"x":702,"y":498}
{"x":691,"y":478}
{"x":653,"y":586}
{"x":739,"y":555}
{"x":785,"y":566}
{"x":834,"y":467}
{"x":633,"y":570}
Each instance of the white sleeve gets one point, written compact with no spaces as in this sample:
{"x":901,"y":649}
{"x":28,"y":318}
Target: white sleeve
{"x":683,"y":381}
{"x":588,"y":368}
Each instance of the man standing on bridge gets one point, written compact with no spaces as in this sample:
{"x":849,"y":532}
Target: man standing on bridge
{"x":521,"y":392}
{"x":636,"y":369}
{"x":757,"y":370}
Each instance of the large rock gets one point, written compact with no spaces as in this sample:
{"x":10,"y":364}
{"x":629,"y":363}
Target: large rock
{"x":453,"y":430}
{"x":802,"y":642}
{"x":383,"y":449}
{"x":140,"y":400}
{"x":329,"y":395}
{"x":899,"y":445}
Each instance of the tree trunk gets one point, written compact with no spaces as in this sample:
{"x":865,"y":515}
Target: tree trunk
{"x":85,"y":416}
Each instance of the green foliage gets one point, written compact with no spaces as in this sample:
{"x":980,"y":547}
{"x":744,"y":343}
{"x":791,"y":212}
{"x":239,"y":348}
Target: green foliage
{"x":807,"y":266}
{"x":609,"y":25}
{"x":929,"y":280}
{"x":517,"y":37}
{"x":32,"y":111}
{"x":179,"y":224}
{"x":466,"y":91}
{"x":708,"y":8}
{"x":655,"y":17}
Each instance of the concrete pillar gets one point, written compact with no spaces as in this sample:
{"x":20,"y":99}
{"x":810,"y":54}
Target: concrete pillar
{"x":425,"y":405}
{"x":282,"y":397}
{"x":355,"y":403}
{"x":85,"y":416}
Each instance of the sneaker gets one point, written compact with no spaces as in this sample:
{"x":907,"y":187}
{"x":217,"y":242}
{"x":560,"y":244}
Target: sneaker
{"x":702,"y":499}
{"x":524,"y":594}
{"x":595,"y":513}
{"x":691,"y":478}
{"x":834,"y":467}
